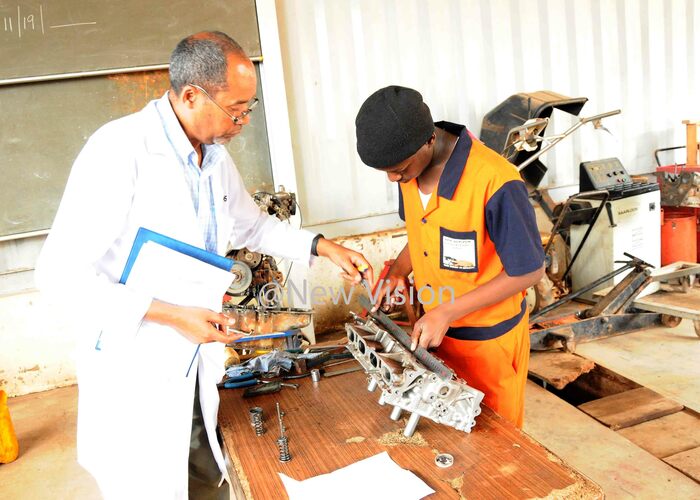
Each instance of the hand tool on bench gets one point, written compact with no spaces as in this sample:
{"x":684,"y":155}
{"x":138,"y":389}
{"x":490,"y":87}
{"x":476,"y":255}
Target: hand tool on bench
{"x":250,"y":380}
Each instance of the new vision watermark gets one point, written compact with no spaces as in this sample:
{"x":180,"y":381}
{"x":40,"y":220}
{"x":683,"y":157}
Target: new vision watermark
{"x":273,"y":293}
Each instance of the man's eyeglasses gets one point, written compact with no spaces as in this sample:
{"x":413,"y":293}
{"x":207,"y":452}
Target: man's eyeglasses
{"x":235,"y":119}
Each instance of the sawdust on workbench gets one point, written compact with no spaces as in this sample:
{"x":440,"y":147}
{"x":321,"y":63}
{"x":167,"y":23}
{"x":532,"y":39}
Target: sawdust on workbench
{"x":396,"y":437}
{"x":456,"y":484}
{"x":355,"y":439}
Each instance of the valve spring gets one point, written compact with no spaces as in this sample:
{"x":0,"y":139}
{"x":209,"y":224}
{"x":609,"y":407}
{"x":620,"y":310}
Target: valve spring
{"x":257,"y":421}
{"x":283,"y":446}
{"x":258,"y":424}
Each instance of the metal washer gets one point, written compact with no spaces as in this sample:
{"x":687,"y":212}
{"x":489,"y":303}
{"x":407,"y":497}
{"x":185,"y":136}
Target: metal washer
{"x":444,"y":460}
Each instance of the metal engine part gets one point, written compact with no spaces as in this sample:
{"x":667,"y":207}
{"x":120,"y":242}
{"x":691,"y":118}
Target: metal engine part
{"x":282,"y":441}
{"x":263,"y":268}
{"x":251,"y":259}
{"x":242,"y":278}
{"x":256,"y":420}
{"x":406,"y":383}
{"x":280,"y":204}
{"x":444,"y":460}
{"x":266,"y":272}
{"x":257,"y":302}
{"x":259,"y":320}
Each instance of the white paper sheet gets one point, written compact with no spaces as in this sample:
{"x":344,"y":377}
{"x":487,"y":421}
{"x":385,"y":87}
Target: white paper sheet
{"x":374,"y":478}
{"x":171,"y":276}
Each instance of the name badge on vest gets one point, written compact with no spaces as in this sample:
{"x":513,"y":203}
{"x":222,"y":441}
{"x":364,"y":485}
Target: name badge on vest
{"x":458,"y":251}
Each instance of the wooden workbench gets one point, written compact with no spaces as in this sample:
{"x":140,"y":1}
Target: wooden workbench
{"x":336,"y":422}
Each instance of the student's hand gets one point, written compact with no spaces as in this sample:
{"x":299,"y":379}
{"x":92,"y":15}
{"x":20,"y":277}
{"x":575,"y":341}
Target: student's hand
{"x":196,"y":324}
{"x":386,"y":296}
{"x":430,"y":329}
{"x":348,"y":260}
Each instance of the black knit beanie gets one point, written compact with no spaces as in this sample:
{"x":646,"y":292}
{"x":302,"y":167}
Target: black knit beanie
{"x":392,"y":124}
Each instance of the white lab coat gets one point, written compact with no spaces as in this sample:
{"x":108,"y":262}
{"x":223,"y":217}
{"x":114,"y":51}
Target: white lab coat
{"x":135,"y":402}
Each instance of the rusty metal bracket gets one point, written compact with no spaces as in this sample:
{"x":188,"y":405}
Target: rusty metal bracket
{"x":618,"y":299}
{"x":613,"y":315}
{"x":567,"y":336}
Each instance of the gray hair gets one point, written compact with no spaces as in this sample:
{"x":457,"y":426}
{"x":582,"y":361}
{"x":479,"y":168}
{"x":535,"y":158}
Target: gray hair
{"x":201,"y":60}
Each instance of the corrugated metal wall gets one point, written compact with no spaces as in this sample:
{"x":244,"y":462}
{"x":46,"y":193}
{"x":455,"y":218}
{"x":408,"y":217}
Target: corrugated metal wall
{"x":466,"y":56}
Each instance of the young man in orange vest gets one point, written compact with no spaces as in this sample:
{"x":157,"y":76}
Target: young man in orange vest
{"x":473,"y":244}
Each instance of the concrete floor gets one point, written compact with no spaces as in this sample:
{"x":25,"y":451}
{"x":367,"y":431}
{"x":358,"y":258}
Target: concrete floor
{"x":45,"y":424}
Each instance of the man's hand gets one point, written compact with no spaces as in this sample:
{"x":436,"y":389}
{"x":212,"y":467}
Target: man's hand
{"x":430,"y":329}
{"x":395,"y":281}
{"x":196,"y":324}
{"x":389,"y":288}
{"x":348,"y":260}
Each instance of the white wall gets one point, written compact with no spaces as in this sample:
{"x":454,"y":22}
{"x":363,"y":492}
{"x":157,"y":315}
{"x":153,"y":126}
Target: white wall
{"x":467,"y":56}
{"x":36,"y":345}
{"x":331,"y":297}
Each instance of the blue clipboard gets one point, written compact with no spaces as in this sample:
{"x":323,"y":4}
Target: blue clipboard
{"x":144,"y":235}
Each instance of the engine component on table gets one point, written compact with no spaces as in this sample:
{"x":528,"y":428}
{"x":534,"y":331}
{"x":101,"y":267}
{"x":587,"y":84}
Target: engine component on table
{"x":257,"y":320}
{"x":251,"y":259}
{"x":242,"y":278}
{"x":256,"y":420}
{"x":263,"y":267}
{"x":282,"y":441}
{"x":444,"y":460}
{"x":263,"y":270}
{"x":406,"y":382}
{"x":267,"y":272}
{"x":283,"y":448}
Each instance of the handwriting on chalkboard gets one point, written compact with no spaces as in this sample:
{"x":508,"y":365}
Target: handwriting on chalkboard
{"x":32,"y":20}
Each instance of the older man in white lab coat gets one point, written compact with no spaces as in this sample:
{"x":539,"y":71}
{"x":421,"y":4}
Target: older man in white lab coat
{"x":165,"y":169}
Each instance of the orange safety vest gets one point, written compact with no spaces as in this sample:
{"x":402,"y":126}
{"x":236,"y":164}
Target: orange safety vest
{"x":478,"y":223}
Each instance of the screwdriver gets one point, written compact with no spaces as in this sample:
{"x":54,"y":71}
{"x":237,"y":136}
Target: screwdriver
{"x":362,"y":268}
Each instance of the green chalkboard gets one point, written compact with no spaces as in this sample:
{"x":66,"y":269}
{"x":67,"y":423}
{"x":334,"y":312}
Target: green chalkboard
{"x":45,"y":124}
{"x":69,"y":66}
{"x":58,"y":37}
